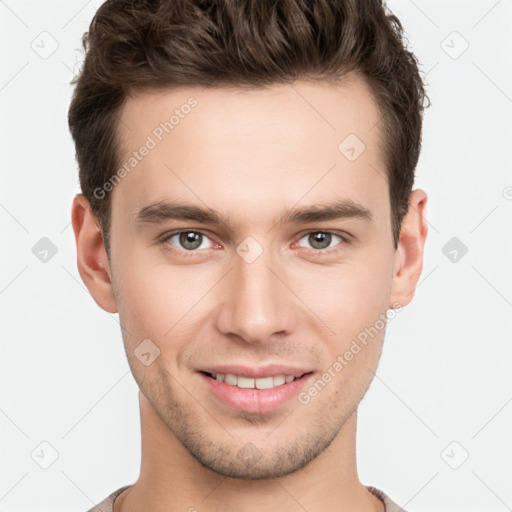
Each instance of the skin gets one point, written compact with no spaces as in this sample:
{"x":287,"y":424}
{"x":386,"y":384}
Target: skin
{"x":251,"y":156}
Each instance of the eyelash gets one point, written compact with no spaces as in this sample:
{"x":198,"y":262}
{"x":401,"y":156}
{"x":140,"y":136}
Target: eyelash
{"x":316,"y":252}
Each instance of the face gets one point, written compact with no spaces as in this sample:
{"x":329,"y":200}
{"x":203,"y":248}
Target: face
{"x":245,"y":237}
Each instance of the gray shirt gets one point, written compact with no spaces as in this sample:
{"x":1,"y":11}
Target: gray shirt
{"x":107,"y":505}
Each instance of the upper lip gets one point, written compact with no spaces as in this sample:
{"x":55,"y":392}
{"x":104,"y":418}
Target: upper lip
{"x":255,"y":372}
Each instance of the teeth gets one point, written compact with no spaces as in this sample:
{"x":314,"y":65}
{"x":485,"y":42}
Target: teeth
{"x":245,"y":382}
{"x":279,"y":380}
{"x":248,"y":383}
{"x":230,"y":379}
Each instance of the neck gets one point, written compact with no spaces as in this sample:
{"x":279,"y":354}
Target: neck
{"x":172,"y":480}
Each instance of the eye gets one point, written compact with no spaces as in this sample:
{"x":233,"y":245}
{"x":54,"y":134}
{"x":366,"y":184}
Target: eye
{"x":187,"y":240}
{"x":321,"y":240}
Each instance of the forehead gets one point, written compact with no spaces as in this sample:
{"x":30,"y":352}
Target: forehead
{"x":241,"y":149}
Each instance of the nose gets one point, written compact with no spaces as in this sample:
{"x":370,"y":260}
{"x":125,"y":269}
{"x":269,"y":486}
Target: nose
{"x":255,"y":303}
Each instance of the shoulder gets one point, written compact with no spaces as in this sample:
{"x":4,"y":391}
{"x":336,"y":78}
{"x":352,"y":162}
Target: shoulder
{"x":107,"y":505}
{"x":390,"y":505}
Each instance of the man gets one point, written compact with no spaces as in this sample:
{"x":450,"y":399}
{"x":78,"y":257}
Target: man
{"x":247,"y":209}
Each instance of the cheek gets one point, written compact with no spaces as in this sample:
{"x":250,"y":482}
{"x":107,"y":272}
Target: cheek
{"x":352,"y":301}
{"x":154,"y":305}
{"x":157,"y":299}
{"x":356,"y":312}
{"x":348,"y":297}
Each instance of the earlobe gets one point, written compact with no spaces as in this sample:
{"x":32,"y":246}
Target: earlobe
{"x":409,"y":253}
{"x":92,"y":262}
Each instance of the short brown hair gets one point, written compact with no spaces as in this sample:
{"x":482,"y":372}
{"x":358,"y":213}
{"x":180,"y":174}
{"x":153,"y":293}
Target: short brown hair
{"x":139,"y":45}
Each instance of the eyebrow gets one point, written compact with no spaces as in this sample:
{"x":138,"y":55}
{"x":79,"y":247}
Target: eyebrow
{"x":162,"y":211}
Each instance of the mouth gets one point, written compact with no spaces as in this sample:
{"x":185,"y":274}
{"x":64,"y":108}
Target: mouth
{"x":256,"y":395}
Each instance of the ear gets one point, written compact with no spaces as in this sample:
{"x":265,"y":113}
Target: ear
{"x":92,"y":260}
{"x":409,"y":253}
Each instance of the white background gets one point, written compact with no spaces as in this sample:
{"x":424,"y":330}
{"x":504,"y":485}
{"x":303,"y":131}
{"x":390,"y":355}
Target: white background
{"x":445,"y":371}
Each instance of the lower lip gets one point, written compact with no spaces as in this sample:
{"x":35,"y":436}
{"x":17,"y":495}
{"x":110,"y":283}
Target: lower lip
{"x":256,"y":400}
